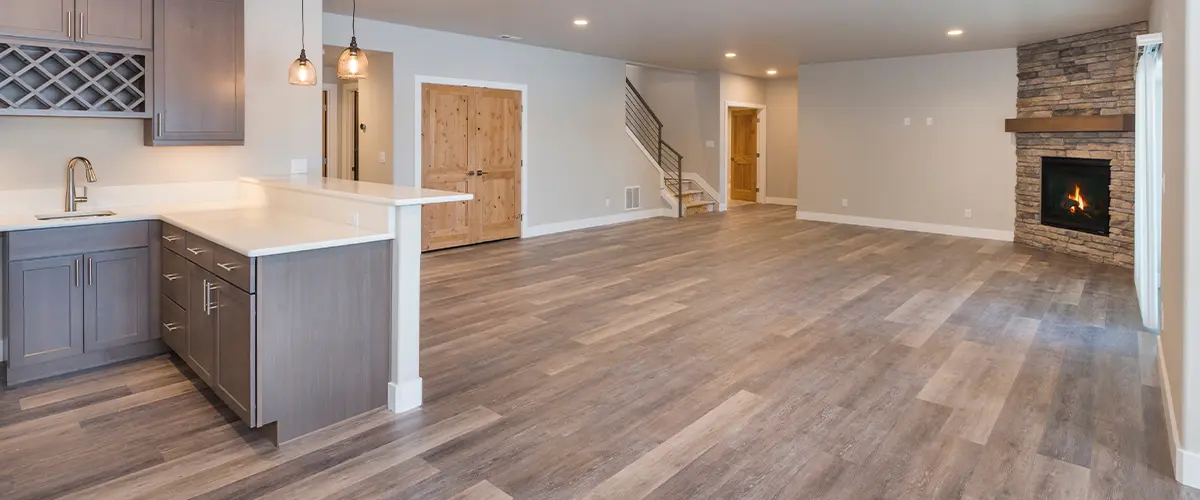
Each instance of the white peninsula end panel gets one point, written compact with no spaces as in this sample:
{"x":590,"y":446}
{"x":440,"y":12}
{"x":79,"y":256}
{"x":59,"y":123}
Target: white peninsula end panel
{"x":400,"y":207}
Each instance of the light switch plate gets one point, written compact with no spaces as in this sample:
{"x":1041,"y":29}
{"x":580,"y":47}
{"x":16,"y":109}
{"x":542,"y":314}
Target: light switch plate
{"x":710,"y":144}
{"x":382,"y":157}
{"x":907,"y":122}
{"x":929,"y":121}
{"x":300,"y":166}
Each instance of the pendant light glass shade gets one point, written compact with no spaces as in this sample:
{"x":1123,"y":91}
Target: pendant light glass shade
{"x":352,"y":64}
{"x":302,"y":72}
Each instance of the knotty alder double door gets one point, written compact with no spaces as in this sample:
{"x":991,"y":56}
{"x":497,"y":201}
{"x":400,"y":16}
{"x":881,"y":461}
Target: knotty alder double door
{"x":471,"y":143}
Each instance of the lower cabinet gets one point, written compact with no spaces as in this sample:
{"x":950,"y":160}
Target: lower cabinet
{"x":214,"y":331}
{"x":77,"y":298}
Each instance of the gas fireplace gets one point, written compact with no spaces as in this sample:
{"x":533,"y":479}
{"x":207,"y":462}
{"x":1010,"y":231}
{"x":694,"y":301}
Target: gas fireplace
{"x":1075,"y":194}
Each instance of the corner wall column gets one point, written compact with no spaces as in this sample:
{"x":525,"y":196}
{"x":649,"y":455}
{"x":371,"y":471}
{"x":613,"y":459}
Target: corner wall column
{"x":404,"y":390}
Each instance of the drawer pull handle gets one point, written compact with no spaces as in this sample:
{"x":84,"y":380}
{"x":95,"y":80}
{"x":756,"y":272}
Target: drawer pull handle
{"x":229,"y":267}
{"x":172,"y":326}
{"x":172,"y":276}
{"x":197,"y":251}
{"x":171,"y":238}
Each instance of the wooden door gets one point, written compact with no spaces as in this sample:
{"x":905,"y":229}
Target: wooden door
{"x":199,"y":62}
{"x":743,"y":154}
{"x":116,"y":298}
{"x":45,"y":306}
{"x":446,"y":164}
{"x":496,"y":156}
{"x":122,"y":23}
{"x":202,"y":328}
{"x":42,"y":19}
{"x":235,"y":355}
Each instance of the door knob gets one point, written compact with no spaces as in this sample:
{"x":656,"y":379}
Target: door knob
{"x":480,"y":172}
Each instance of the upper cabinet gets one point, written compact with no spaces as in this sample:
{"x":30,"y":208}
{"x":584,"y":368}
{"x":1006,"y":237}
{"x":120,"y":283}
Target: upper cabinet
{"x":113,"y":23}
{"x":122,"y":23}
{"x":199,"y":81}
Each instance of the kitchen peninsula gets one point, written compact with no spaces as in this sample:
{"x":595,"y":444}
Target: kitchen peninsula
{"x":296,"y":300}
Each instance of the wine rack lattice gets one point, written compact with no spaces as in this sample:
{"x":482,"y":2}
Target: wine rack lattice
{"x":38,"y":80}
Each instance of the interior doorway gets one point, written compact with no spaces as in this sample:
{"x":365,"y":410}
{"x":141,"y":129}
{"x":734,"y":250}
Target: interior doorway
{"x":472,"y":141}
{"x":743,"y":185}
{"x":359,"y":120}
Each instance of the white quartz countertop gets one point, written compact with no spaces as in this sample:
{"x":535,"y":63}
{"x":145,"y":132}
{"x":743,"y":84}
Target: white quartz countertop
{"x":253,"y":231}
{"x":385,"y":194}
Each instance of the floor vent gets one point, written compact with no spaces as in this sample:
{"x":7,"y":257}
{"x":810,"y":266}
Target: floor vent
{"x":633,"y":198}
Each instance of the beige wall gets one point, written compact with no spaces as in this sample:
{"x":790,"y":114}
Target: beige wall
{"x":1181,"y":252}
{"x":282,"y":122}
{"x":782,"y":138}
{"x":376,"y":108}
{"x":578,"y":153}
{"x":856,"y":146}
{"x":673,"y":96}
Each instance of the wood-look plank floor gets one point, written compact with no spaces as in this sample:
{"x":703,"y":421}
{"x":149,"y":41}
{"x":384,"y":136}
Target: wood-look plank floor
{"x":737,"y":355}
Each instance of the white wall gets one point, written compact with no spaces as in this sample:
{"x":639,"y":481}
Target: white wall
{"x":672,"y":95}
{"x":578,"y":153}
{"x":376,"y":108}
{"x":856,"y":147}
{"x":782,"y":138}
{"x":282,"y":122}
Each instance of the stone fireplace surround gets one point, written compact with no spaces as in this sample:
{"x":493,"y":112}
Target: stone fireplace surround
{"x":1087,"y":74}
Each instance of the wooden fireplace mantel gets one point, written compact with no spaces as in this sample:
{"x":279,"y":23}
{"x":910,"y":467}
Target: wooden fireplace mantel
{"x":1090,"y":123}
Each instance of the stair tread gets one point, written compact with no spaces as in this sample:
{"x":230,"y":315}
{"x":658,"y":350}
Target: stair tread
{"x":701,"y":203}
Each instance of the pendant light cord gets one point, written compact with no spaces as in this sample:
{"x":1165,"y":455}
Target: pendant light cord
{"x":303,"y":31}
{"x":354,"y":19}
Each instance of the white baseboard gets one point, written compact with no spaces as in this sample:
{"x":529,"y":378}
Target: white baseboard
{"x":1186,"y":463}
{"x":922,"y":227}
{"x":405,"y":396}
{"x":780,"y":201}
{"x":575,"y":225}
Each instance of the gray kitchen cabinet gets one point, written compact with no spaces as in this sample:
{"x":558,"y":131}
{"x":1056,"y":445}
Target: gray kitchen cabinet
{"x":201,"y":338}
{"x":235,"y":349}
{"x":121,"y":23}
{"x":45,"y":310}
{"x":117,"y":23}
{"x":41,"y":19}
{"x":117,"y":294}
{"x":199,"y":74}
{"x":173,"y":326}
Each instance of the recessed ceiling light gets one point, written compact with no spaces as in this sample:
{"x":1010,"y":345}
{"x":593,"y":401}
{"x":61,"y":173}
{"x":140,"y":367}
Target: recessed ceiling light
{"x":730,"y":55}
{"x":581,"y":22}
{"x":954,"y":33}
{"x":772,"y":72}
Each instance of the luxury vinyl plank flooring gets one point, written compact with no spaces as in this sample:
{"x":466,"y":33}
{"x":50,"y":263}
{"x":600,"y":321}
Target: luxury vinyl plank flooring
{"x":741,"y":355}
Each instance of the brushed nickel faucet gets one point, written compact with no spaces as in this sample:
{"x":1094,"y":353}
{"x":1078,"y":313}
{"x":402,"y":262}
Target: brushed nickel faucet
{"x":72,"y":200}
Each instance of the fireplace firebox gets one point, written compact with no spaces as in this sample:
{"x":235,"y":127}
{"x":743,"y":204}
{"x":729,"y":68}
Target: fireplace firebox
{"x":1075,"y":194}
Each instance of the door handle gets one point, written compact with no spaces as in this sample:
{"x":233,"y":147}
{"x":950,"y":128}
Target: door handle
{"x":480,"y":172}
{"x":470,"y":173}
{"x":209,"y":304}
{"x":81,"y":25}
{"x":75,"y":271}
{"x":89,"y":271}
{"x":70,"y":25}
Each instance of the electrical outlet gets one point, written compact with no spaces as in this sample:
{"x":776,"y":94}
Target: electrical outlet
{"x":382,"y":157}
{"x":353,"y":219}
{"x":907,"y":122}
{"x":300,"y":166}
{"x":929,"y":121}
{"x":967,"y":213}
{"x":608,"y":202}
{"x":845,"y":202}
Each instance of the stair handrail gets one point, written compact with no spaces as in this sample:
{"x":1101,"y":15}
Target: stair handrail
{"x":632,"y":116}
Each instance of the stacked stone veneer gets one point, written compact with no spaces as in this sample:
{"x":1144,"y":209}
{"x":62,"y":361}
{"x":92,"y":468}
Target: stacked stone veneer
{"x":1088,"y":74}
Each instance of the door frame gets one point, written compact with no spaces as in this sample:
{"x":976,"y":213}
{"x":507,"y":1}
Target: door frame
{"x":333,"y":122}
{"x":726,"y":133}
{"x":419,"y":104}
{"x":347,"y":129}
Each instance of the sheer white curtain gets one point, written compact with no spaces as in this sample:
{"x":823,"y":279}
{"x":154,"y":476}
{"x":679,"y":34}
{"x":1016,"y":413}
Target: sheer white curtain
{"x":1147,"y":207}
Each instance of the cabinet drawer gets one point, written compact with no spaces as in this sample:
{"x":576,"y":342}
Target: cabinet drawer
{"x":173,"y":238}
{"x":174,"y":326}
{"x":174,"y":277}
{"x":39,"y":243}
{"x":199,"y":250}
{"x":234,"y":268}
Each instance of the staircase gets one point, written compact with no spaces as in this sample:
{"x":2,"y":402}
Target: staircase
{"x":686,"y":196}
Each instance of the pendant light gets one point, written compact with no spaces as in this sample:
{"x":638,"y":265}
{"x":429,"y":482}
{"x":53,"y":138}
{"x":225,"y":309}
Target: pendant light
{"x":302,"y":71}
{"x":352,"y":64}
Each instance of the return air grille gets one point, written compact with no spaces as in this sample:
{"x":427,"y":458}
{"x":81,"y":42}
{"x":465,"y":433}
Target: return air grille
{"x":51,"y":81}
{"x":633,"y":198}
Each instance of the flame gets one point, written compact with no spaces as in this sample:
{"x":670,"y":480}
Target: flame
{"x":1078,"y":199}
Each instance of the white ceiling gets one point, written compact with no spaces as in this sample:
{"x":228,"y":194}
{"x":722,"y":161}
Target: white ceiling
{"x":695,"y":34}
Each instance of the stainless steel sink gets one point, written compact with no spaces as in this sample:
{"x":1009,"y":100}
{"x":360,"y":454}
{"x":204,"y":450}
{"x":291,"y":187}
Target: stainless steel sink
{"x":76,"y":215}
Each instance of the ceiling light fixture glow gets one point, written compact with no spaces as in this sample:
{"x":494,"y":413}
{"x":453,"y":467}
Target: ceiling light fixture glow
{"x":772,"y":72}
{"x":954,"y":33}
{"x":730,"y":55}
{"x":581,"y":22}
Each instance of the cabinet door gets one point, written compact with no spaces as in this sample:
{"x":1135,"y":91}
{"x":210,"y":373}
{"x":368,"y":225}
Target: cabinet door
{"x":174,"y":326}
{"x":44,"y":19}
{"x":235,"y":354}
{"x":116,"y":298}
{"x":199,"y":84}
{"x":45,"y":307}
{"x":202,"y":327}
{"x":122,"y":23}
